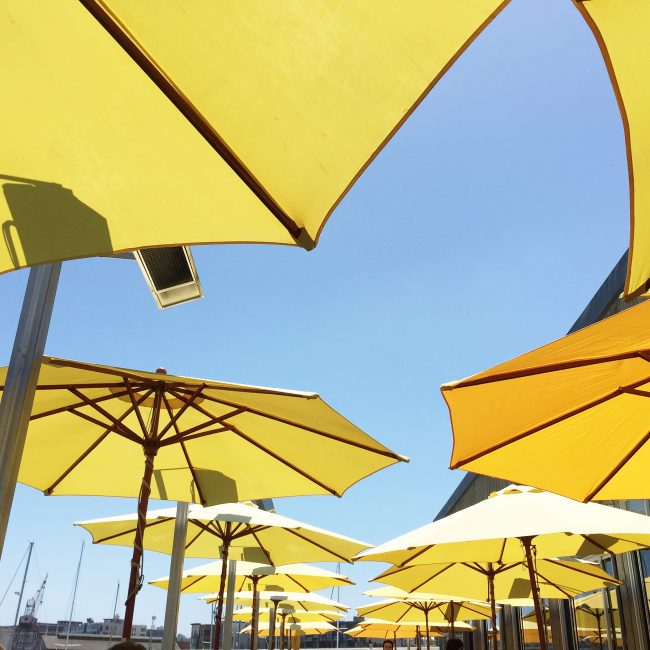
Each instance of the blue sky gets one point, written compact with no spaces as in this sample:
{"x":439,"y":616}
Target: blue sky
{"x":481,"y":231}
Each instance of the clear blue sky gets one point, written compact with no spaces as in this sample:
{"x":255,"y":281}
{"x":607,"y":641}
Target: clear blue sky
{"x":481,"y":231}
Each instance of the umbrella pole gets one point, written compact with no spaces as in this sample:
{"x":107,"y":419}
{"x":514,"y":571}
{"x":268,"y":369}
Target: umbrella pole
{"x":222,"y":586}
{"x":426,"y":622}
{"x":135,"y":582}
{"x":418,"y":638}
{"x":490,"y":577}
{"x":527,"y":542}
{"x":452,"y":619}
{"x":256,"y":612}
{"x":283,"y":618}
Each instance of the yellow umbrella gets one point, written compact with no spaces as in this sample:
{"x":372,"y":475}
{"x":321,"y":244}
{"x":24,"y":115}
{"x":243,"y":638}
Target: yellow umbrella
{"x":293,"y":577}
{"x":294,"y":615}
{"x":296,"y":600}
{"x":528,"y":419}
{"x":213,"y":531}
{"x":514,"y":524}
{"x":407,"y":610}
{"x":296,"y":628}
{"x":99,"y":430}
{"x":203,"y":123}
{"x":620,"y":29}
{"x":376,"y":628}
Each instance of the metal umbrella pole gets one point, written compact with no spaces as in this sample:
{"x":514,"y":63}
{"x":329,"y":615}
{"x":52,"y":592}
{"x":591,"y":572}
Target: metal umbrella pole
{"x":22,"y":376}
{"x":175,"y":577}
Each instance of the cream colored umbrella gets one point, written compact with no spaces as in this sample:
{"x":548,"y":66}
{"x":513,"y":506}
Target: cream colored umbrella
{"x":302,"y":601}
{"x":414,"y":610}
{"x":250,"y":575}
{"x":295,"y":615}
{"x":296,"y":628}
{"x":214,"y":531}
{"x":518,"y":523}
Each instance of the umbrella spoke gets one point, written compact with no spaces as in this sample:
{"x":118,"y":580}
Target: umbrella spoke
{"x":70,"y":407}
{"x":195,"y":478}
{"x":279,"y":458}
{"x":431,"y":577}
{"x":136,"y":407}
{"x":568,"y":594}
{"x":116,"y":421}
{"x":162,"y":520}
{"x":175,"y":417}
{"x":259,"y":543}
{"x":103,"y":425}
{"x":172,"y":440}
{"x":293,"y":531}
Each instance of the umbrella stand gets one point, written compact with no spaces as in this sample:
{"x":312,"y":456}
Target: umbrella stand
{"x":527,"y":542}
{"x":256,"y":612}
{"x":135,"y":579}
{"x":222,"y":585}
{"x":490,"y":577}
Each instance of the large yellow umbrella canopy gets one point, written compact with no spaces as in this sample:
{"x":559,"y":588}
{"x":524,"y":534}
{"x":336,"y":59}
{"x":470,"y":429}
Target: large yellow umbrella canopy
{"x":530,"y":418}
{"x":296,"y":600}
{"x":203,"y":123}
{"x":99,"y":430}
{"x":620,"y":30}
{"x":555,"y":578}
{"x":289,"y":577}
{"x":378,"y":629}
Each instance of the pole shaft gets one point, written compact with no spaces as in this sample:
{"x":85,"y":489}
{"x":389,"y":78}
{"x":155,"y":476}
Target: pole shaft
{"x":490,"y":577}
{"x":134,"y":577}
{"x":426,"y":623}
{"x":230,"y":604}
{"x":22,"y":376}
{"x":222,"y":586}
{"x":527,"y":542}
{"x":256,"y":613}
{"x":175,"y":576}
{"x":272,"y":614}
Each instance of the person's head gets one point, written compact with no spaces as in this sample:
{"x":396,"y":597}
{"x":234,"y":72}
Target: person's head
{"x":454,"y":644}
{"x":388,"y":644}
{"x":127,"y":645}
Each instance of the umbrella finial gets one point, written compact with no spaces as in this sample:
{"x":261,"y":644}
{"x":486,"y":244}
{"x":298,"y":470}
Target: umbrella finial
{"x":161,"y":371}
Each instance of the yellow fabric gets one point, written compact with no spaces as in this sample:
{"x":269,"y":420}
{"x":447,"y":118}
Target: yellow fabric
{"x":378,"y":629}
{"x":530,"y":418}
{"x":555,"y":579}
{"x":267,"y":443}
{"x":491,"y":531}
{"x":297,"y":616}
{"x":620,"y":29}
{"x":256,"y":531}
{"x":295,"y":600}
{"x":412,"y":611}
{"x":95,"y":159}
{"x":293,"y":628}
{"x":289,"y":577}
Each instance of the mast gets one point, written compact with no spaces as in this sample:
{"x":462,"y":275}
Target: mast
{"x":22,"y":589}
{"x":117,"y":593}
{"x":74,"y":595}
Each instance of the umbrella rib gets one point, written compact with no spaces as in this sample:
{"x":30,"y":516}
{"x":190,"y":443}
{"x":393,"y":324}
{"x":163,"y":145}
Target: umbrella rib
{"x":293,"y":531}
{"x":69,"y":407}
{"x":539,"y":370}
{"x":188,"y":544}
{"x":424,"y":549}
{"x":279,"y":458}
{"x":93,"y":446}
{"x":102,"y":411}
{"x":619,"y":466}
{"x":162,"y":520}
{"x":435,"y":575}
{"x":293,"y":579}
{"x":591,"y":540}
{"x":264,"y":549}
{"x":198,"y":579}
{"x":136,"y":408}
{"x":540,"y":427}
{"x":104,"y":425}
{"x":553,"y":584}
{"x":213,"y":419}
{"x":173,"y":423}
{"x":305,"y":427}
{"x":573,"y":567}
{"x":174,"y":418}
{"x":156,"y":74}
{"x":172,"y":440}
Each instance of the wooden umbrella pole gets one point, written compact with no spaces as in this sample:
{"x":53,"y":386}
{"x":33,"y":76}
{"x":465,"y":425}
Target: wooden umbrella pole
{"x":418,"y":638}
{"x":283,"y":618}
{"x":452,"y":620}
{"x":254,"y":580}
{"x":136,"y":558}
{"x":426,"y":622}
{"x":527,"y":542}
{"x":222,"y":585}
{"x":491,"y":598}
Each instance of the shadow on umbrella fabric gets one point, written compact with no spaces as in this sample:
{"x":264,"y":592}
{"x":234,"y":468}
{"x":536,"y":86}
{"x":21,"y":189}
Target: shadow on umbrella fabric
{"x":39,"y":217}
{"x":215,"y":487}
{"x":520,"y":589}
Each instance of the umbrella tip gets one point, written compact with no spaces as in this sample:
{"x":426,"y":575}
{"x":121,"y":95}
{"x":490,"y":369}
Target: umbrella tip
{"x":161,"y":371}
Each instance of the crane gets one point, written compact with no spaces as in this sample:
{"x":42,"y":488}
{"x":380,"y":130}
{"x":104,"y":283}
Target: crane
{"x":26,"y":636}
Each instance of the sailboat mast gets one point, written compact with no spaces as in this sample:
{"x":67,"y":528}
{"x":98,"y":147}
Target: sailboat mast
{"x":22,"y":589}
{"x":74,"y":595}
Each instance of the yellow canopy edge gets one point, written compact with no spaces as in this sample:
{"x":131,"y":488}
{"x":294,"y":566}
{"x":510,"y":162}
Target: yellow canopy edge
{"x":96,"y":159}
{"x":621,"y":29}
